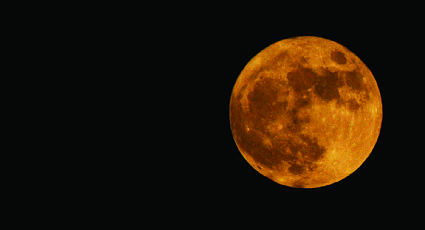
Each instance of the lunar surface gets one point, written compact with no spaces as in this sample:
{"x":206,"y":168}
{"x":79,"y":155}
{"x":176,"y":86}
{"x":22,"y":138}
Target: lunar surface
{"x":305,"y":112}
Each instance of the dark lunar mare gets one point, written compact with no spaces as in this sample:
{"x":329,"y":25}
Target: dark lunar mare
{"x":263,"y":109}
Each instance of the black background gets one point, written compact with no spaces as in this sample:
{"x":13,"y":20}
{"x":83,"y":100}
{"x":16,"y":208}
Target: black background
{"x":197,"y":58}
{"x":185,"y":70}
{"x":145,"y":118}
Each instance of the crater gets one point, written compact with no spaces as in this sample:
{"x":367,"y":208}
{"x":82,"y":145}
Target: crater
{"x":353,"y":105}
{"x":301,"y":79}
{"x":354,"y":80}
{"x":338,"y":57}
{"x":326,"y":86}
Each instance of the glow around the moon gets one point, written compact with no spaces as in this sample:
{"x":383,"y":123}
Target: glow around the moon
{"x":305,"y":112}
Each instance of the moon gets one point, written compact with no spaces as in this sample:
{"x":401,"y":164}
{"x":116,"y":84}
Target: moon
{"x":305,"y":112}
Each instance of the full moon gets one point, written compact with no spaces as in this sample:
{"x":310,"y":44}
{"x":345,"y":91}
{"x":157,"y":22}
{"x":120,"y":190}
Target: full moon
{"x":305,"y":112}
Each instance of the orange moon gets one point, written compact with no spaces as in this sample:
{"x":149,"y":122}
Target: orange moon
{"x":305,"y":112}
